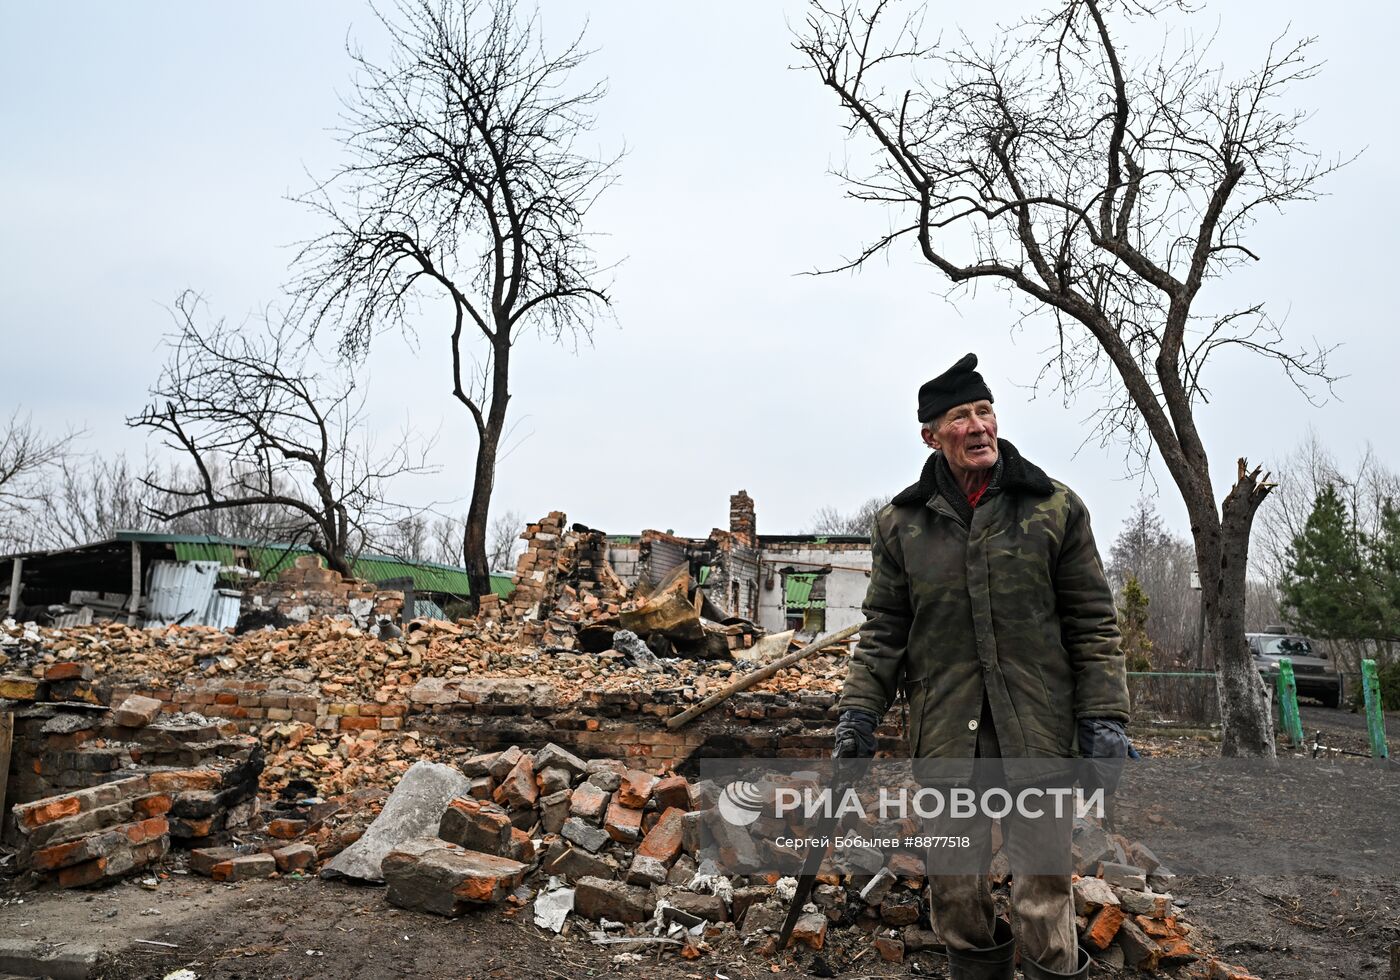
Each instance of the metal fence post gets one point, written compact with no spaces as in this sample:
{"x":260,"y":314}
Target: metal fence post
{"x":1375,"y":716}
{"x":1288,"y":701}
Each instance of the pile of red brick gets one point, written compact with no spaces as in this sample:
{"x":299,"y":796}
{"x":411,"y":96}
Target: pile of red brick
{"x":94,"y":835}
{"x":65,"y":745}
{"x":116,"y":828}
{"x":103,"y":792}
{"x":563,"y":581}
{"x":309,"y":591}
{"x":629,"y":843}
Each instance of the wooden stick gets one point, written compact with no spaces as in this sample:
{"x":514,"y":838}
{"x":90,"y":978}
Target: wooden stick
{"x":7,"y":731}
{"x":762,"y":673}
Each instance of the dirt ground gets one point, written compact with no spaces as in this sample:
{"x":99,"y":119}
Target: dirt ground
{"x":1279,"y":927}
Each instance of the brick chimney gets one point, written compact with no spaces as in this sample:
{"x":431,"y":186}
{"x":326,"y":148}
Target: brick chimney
{"x":742,"y":522}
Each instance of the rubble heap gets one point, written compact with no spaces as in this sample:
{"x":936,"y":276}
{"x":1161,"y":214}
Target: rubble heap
{"x":649,"y":855}
{"x":307,"y":590}
{"x":343,"y":659}
{"x":346,"y":664}
{"x":94,"y":835}
{"x":103,"y":792}
{"x":70,"y":744}
{"x":563,"y":582}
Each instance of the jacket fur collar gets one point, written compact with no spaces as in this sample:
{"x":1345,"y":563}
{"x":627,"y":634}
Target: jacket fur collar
{"x":1018,"y":475}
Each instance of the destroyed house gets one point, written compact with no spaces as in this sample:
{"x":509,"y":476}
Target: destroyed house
{"x":810,"y":583}
{"x":155,"y":579}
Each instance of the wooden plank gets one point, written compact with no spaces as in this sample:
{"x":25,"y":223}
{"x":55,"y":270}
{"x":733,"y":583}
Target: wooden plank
{"x":16,"y":570}
{"x":7,"y":734}
{"x":763,"y":673}
{"x":135,"y":603}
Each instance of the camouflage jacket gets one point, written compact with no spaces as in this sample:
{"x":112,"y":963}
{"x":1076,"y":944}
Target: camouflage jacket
{"x":1016,"y":605}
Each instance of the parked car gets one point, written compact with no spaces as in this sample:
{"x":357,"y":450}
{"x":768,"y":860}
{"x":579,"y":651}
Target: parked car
{"x":1317,"y":676}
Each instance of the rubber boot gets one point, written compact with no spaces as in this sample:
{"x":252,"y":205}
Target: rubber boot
{"x":992,"y":963}
{"x":1034,"y":971}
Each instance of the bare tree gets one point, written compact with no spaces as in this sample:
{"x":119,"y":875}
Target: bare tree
{"x":407,"y":538}
{"x":829,"y":520}
{"x":27,"y":458}
{"x":1162,"y":562}
{"x":90,"y":498}
{"x":446,"y":535}
{"x":1103,"y":194}
{"x":465,"y":183}
{"x":506,"y":545}
{"x":288,"y":429}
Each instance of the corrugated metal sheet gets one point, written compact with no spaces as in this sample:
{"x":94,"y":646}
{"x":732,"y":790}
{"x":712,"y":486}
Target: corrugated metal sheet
{"x":224,"y":606}
{"x":180,"y":590}
{"x":427,"y":609}
{"x":798,"y":592}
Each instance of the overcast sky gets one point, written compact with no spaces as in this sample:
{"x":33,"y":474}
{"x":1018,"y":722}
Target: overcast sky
{"x":150,"y":147}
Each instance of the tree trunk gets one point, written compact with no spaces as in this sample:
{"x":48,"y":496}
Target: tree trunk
{"x":334,"y":554}
{"x":1222,"y":551}
{"x":337,"y":561}
{"x":474,"y":553}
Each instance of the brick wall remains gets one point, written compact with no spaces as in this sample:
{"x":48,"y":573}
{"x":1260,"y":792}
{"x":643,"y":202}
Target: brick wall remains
{"x":309,"y":591}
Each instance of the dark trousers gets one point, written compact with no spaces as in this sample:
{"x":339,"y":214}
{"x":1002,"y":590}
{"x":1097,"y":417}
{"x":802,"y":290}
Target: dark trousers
{"x":1042,"y":904}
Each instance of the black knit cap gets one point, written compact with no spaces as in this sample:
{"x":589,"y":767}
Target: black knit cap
{"x":958,"y":385}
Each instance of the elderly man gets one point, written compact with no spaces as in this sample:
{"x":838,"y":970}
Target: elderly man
{"x":988,"y":605}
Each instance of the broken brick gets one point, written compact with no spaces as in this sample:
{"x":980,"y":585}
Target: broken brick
{"x":636,"y":788}
{"x":663,"y":841}
{"x":426,"y":874}
{"x":19,"y":689}
{"x":588,"y":802}
{"x":518,"y":790}
{"x":504,"y":762}
{"x":673,"y":791}
{"x":137,"y":712}
{"x":552,"y":780}
{"x":1091,"y":894}
{"x":553,"y":756}
{"x":294,"y":857}
{"x":574,"y":863}
{"x":1139,"y":950}
{"x":1103,"y":927}
{"x":37,"y":814}
{"x":244,"y":867}
{"x":286,"y":828}
{"x":646,"y":871}
{"x":186,"y":780}
{"x":69,"y":671}
{"x":203,"y":860}
{"x":623,"y":824}
{"x":476,"y":826}
{"x":810,"y":930}
{"x":891,"y":950}
{"x":597,"y":898}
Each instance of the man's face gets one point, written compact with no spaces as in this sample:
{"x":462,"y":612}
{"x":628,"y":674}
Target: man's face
{"x":967,"y":434}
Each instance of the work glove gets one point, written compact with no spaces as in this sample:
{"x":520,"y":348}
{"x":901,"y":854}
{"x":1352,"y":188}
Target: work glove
{"x":1103,"y":743}
{"x":855,"y":735}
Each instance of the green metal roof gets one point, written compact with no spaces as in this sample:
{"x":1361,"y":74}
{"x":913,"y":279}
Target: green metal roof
{"x":798,"y":591}
{"x":271,"y":559}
